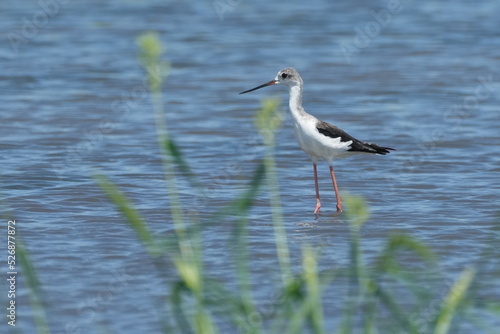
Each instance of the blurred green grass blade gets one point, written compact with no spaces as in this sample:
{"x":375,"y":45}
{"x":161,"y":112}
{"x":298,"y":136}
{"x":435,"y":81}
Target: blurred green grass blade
{"x":280,"y":236}
{"x":176,"y":303}
{"x":357,"y":214}
{"x":302,"y":302}
{"x":245,"y":202}
{"x":35,"y":294}
{"x":395,"y":310}
{"x":196,"y":321}
{"x":149,"y":46}
{"x":190,"y":269}
{"x":151,"y":49}
{"x":387,"y":259}
{"x":129,"y":212}
{"x":407,"y":272}
{"x":297,"y":319}
{"x":269,"y":118}
{"x":241,"y":209}
{"x":190,"y":272}
{"x":238,"y":208}
{"x":188,"y":262}
{"x":203,"y":323}
{"x":233,"y":308}
{"x":452,"y":301}
{"x":267,"y":121}
{"x":310,"y":272}
{"x":306,"y":291}
{"x":370,"y":308}
{"x":173,"y":150}
{"x":241,"y":204}
{"x":294,"y":308}
{"x":357,"y":211}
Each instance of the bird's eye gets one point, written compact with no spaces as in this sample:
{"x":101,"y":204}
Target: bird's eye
{"x":284,"y":75}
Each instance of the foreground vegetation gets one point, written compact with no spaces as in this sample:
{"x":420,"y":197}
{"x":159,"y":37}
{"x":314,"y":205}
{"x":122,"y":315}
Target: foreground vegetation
{"x":383,"y":296}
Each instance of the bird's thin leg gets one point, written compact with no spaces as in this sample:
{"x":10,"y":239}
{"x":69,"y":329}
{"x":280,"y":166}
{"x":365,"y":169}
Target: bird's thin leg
{"x":337,"y":194}
{"x":318,"y":202}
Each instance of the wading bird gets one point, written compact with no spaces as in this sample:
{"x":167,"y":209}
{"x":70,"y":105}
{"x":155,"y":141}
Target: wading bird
{"x":319,"y":139}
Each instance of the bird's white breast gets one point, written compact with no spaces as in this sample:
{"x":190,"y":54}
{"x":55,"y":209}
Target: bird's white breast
{"x":317,"y":145}
{"x":310,"y":140}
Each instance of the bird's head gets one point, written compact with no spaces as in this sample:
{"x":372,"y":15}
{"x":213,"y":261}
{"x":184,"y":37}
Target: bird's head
{"x":287,"y":76}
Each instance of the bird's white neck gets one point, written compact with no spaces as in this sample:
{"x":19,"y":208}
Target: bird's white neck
{"x":295,"y":101}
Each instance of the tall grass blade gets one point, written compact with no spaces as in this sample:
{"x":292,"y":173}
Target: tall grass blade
{"x":306,"y":292}
{"x":267,"y":121}
{"x":176,"y":302}
{"x":387,"y":261}
{"x":129,"y":212}
{"x":357,"y":214}
{"x":241,"y":207}
{"x":313,"y":301}
{"x":189,"y":263}
{"x":178,"y":159}
{"x":243,"y":203}
{"x":35,"y":294}
{"x":452,"y":301}
{"x":395,"y":310}
{"x":150,"y":51}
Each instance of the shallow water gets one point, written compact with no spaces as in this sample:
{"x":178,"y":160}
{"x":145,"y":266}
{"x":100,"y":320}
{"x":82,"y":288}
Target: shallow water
{"x":426,"y":84}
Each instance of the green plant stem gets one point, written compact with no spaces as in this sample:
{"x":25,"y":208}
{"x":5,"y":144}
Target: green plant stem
{"x":189,"y":264}
{"x":34,"y":286}
{"x":453,"y":299}
{"x":168,"y":164}
{"x":310,"y":272}
{"x":277,"y":214}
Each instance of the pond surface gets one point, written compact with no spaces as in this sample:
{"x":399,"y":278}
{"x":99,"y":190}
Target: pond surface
{"x":421,"y":77}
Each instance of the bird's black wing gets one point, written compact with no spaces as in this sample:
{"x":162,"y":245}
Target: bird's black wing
{"x":356,"y":146}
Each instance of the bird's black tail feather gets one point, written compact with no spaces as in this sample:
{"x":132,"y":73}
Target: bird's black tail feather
{"x":362,"y":146}
{"x":379,"y":149}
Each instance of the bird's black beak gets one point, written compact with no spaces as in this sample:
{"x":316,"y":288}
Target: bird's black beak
{"x":272,"y":82}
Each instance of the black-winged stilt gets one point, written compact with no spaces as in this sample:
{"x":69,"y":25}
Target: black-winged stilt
{"x":319,"y":139}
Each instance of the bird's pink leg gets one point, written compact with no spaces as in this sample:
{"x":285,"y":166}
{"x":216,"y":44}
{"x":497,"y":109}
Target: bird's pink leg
{"x":318,"y":202}
{"x":337,"y":194}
